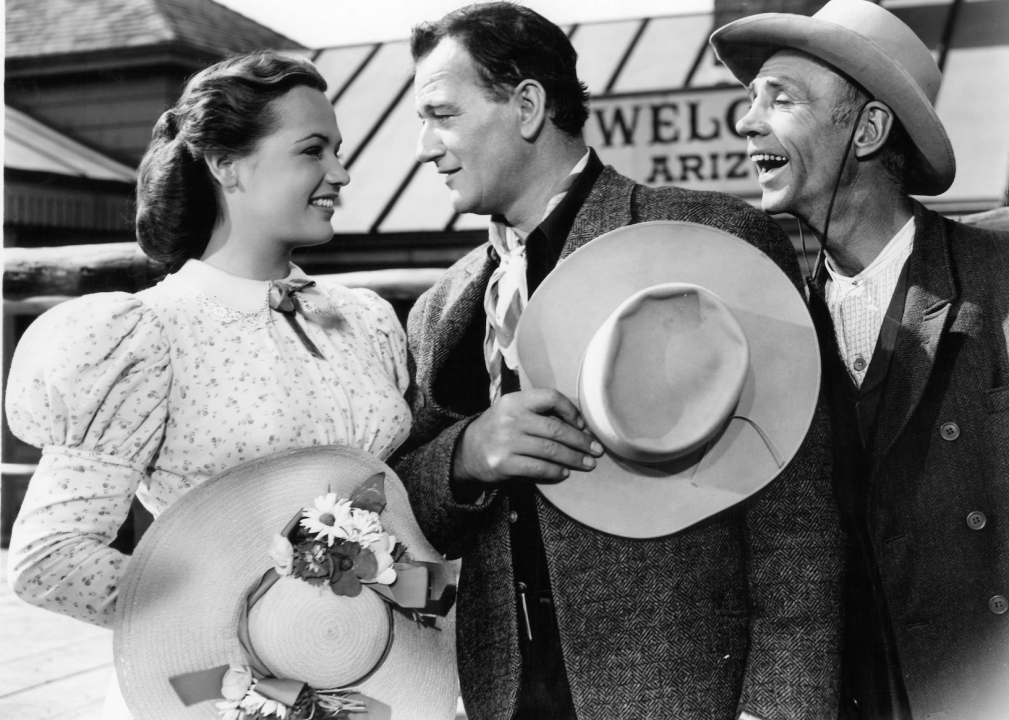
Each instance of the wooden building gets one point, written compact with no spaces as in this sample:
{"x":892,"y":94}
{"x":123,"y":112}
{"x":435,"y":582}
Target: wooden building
{"x":102,"y":71}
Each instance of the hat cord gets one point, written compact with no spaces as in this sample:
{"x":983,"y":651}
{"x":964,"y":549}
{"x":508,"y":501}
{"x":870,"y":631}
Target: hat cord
{"x":805,"y":254}
{"x":837,"y":183}
{"x":771,"y":448}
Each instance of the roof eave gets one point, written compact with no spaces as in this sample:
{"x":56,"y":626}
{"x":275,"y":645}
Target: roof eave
{"x":175,"y":54}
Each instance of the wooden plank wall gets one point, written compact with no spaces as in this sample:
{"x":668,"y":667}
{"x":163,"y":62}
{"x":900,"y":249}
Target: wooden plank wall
{"x":113,"y":113}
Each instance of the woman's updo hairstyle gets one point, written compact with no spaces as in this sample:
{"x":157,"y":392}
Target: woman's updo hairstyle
{"x":223,"y":109}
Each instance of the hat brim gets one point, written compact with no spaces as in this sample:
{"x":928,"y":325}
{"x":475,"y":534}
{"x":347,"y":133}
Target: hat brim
{"x":745,"y":45}
{"x":779,"y":394}
{"x":181,"y":597}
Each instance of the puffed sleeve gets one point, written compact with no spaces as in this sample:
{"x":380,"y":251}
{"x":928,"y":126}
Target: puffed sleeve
{"x":387,"y":335}
{"x":89,"y":385}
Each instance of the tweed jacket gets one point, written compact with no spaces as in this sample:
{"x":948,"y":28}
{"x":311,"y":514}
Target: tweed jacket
{"x":928,"y":509}
{"x":738,"y":612}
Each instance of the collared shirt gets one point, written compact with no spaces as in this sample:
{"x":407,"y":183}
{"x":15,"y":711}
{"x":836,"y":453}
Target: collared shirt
{"x":508,"y":291}
{"x":858,"y":304}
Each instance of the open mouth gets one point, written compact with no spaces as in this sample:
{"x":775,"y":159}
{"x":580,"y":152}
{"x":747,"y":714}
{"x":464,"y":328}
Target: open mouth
{"x":766,"y":162}
{"x":323,"y":202}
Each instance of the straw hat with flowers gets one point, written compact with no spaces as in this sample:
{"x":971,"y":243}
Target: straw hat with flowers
{"x":293,"y":586}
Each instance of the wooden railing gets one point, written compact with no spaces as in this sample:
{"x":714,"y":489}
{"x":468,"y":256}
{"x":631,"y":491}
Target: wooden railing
{"x":36,"y":279}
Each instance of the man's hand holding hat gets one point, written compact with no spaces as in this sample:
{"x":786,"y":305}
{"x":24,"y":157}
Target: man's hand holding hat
{"x":532,"y":435}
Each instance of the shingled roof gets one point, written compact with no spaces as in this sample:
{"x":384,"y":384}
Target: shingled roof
{"x":37,"y":28}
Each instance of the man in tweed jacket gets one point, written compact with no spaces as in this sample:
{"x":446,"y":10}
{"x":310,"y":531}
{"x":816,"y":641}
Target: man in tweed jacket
{"x":913,"y":314}
{"x":737,"y":613}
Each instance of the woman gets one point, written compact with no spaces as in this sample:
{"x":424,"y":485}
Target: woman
{"x":235,"y":355}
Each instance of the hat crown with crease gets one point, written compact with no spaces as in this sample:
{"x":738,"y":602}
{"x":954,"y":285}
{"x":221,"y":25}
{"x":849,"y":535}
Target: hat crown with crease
{"x":874,"y":48}
{"x":688,"y":342}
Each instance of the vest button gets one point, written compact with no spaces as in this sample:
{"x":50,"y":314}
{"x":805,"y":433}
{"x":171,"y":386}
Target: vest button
{"x":513,"y":517}
{"x":976,"y":520}
{"x":949,"y":431}
{"x":998,"y":604}
{"x":859,"y":364}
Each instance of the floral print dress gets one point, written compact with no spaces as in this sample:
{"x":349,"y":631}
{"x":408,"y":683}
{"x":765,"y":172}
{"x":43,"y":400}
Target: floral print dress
{"x":152,"y":394}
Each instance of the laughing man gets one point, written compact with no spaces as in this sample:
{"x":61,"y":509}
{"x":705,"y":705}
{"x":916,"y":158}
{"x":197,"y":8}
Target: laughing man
{"x":913,"y":314}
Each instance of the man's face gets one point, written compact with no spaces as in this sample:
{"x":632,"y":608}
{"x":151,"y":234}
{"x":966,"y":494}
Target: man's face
{"x":795,"y":145}
{"x":474,"y":141}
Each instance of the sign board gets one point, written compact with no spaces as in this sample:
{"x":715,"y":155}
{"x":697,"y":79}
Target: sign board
{"x":685,"y":138}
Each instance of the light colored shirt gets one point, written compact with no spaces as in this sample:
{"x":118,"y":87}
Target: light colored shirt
{"x":858,"y":304}
{"x":152,"y":394}
{"x":507,"y":291}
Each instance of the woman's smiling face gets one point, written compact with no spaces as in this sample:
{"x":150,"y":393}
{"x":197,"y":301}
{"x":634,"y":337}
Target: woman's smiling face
{"x":288,"y":186}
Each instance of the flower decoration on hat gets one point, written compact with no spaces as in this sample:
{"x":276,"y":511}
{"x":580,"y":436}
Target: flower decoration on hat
{"x":339,"y":542}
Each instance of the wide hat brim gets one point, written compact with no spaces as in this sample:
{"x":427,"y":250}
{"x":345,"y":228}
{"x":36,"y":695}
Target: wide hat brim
{"x":182,"y":594}
{"x":746,"y":44}
{"x":779,"y":394}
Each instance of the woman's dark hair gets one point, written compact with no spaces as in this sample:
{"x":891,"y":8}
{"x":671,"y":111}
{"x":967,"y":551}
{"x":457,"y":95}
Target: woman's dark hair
{"x":225,"y":109}
{"x":510,"y":43}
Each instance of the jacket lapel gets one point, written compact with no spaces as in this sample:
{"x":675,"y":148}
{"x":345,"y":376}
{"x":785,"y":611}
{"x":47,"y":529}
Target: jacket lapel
{"x":607,"y":207}
{"x":462,"y":305}
{"x":465,"y":298}
{"x":931,"y":293}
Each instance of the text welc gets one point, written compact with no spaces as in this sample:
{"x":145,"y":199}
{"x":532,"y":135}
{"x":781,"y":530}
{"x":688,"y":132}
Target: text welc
{"x":678,"y":139}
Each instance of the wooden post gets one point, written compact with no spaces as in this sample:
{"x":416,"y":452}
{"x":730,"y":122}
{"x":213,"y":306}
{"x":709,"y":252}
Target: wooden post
{"x":36,"y":279}
{"x":75,"y":270}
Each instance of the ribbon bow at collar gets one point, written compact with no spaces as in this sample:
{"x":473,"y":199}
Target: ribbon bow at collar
{"x":289,"y":297}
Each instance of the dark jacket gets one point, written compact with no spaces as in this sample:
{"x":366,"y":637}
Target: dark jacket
{"x":927,"y":507}
{"x":740,"y":611}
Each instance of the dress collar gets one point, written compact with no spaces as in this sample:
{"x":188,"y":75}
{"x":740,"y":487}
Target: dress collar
{"x":231,"y":291}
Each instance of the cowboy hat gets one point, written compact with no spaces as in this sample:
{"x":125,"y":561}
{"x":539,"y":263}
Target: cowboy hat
{"x":203,"y":607}
{"x":872,"y":47}
{"x":692,"y":358}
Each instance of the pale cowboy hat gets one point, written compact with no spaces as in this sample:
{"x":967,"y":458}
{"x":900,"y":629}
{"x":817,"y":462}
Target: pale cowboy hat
{"x":872,"y":47}
{"x":191,"y":604}
{"x":692,"y":358}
